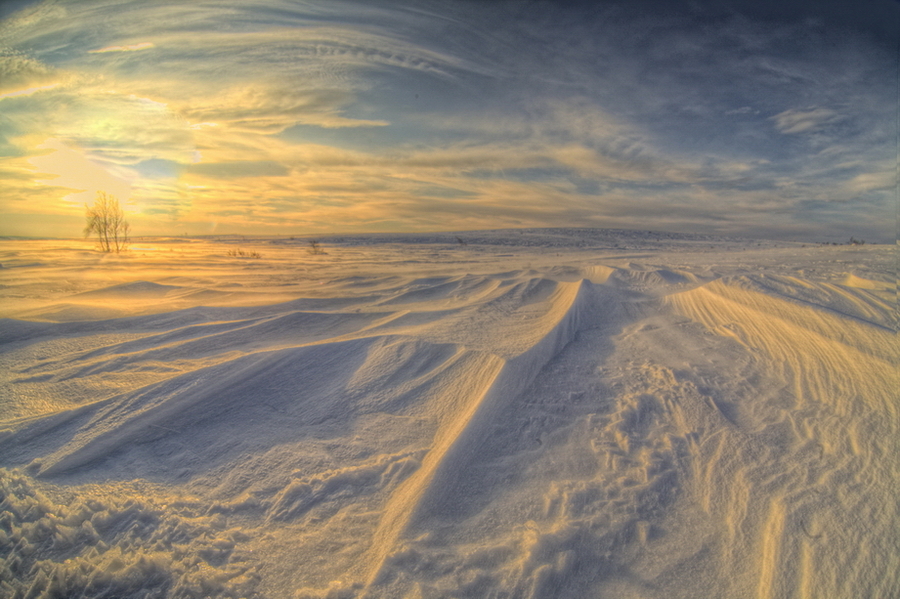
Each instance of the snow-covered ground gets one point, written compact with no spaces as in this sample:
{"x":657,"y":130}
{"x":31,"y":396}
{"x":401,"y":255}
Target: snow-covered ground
{"x":538,"y":413}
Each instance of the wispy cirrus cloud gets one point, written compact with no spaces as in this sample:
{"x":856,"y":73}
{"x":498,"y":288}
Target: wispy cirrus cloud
{"x":21,"y":75}
{"x":803,"y":121}
{"x":268,"y":108}
{"x":27,"y":91}
{"x":126,"y":48}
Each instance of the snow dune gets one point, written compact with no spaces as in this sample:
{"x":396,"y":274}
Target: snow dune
{"x":564,"y":413}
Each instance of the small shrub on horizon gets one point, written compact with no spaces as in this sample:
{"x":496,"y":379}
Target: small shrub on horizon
{"x":239,"y":253}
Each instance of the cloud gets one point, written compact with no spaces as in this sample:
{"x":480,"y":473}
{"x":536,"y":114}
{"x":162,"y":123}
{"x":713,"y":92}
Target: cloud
{"x":28,"y":91}
{"x":271,"y":108}
{"x":127,"y":48}
{"x":22,"y":75}
{"x":804,"y":121}
{"x":882,"y":180}
{"x":238,"y":169}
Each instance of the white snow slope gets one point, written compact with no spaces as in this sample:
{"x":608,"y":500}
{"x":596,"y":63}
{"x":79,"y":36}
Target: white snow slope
{"x":510,"y":414}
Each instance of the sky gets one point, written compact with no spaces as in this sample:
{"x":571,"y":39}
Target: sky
{"x":284,"y":117}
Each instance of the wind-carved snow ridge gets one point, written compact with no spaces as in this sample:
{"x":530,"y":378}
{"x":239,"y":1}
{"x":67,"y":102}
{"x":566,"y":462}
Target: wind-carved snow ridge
{"x":550,"y":414}
{"x":459,"y":439}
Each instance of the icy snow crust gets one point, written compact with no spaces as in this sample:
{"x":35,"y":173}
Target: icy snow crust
{"x":536,"y":413}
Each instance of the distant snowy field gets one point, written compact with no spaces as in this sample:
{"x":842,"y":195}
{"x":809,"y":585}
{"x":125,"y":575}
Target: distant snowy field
{"x":555,"y":413}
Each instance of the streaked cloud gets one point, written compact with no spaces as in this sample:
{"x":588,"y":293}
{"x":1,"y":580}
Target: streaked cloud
{"x":239,"y":169}
{"x":127,"y":48}
{"x":268,"y":108}
{"x":27,"y":91}
{"x":21,"y":75}
{"x":803,"y":121}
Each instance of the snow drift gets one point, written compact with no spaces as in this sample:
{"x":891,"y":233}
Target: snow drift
{"x":406,"y":417}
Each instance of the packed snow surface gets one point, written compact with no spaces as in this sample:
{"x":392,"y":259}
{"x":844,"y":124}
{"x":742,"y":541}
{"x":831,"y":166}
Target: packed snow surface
{"x":497,"y":414}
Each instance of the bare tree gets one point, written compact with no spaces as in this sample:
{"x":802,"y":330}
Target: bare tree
{"x":106,"y":220}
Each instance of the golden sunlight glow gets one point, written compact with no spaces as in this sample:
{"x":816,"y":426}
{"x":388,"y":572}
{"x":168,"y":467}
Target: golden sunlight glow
{"x":71,"y":168}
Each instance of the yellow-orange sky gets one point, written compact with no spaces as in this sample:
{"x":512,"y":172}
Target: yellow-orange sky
{"x":282,"y":117}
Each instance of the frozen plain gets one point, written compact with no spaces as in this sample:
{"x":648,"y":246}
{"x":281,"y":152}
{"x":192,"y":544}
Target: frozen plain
{"x":536,"y":413}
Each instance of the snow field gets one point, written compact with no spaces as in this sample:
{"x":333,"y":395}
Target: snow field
{"x":534,"y":414}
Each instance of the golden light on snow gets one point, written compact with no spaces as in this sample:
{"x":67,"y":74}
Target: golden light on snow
{"x":541,"y":412}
